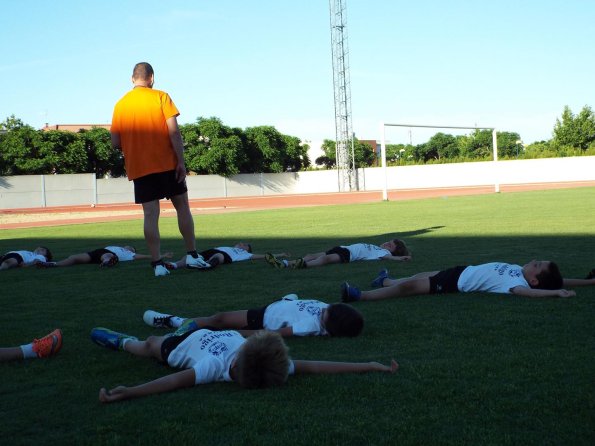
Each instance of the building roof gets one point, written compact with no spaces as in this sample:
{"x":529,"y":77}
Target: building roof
{"x":74,"y":127}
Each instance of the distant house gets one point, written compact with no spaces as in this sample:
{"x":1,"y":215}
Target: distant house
{"x":74,"y":127}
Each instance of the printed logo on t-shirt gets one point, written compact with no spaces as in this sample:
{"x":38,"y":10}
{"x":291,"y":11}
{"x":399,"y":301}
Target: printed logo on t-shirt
{"x":310,"y":309}
{"x":218,"y":348}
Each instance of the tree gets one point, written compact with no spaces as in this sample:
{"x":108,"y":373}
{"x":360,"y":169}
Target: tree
{"x":364,"y":154}
{"x":575,"y":131}
{"x":102,"y":158}
{"x":509,"y":144}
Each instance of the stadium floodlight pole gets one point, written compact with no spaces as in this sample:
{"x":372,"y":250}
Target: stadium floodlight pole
{"x":495,"y":148}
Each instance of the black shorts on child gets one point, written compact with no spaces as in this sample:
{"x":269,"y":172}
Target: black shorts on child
{"x":97,"y":253}
{"x":343,"y":253}
{"x":446,"y":281}
{"x":12,"y":255}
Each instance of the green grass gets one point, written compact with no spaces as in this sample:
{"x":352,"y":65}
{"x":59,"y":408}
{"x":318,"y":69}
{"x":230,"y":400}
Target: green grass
{"x":475,"y":368}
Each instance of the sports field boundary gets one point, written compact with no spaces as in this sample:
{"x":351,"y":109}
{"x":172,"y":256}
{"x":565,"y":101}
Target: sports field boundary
{"x":22,"y":218}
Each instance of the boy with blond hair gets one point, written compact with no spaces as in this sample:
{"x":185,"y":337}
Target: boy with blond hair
{"x":207,"y":356}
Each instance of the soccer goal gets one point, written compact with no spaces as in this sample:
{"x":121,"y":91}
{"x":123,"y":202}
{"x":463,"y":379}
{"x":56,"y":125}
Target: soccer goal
{"x":385,"y":125}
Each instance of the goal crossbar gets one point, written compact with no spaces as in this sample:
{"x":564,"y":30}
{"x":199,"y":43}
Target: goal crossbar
{"x":384,"y":125}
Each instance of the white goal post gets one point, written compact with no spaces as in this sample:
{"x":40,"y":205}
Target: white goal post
{"x":384,"y":125}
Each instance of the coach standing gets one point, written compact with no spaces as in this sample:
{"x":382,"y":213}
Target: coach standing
{"x":145,"y":128}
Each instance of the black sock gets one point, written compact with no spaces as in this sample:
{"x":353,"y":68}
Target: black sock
{"x":194,"y":254}
{"x":157,"y":262}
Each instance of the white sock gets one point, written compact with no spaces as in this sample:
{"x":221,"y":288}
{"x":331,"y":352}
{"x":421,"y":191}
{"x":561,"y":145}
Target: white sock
{"x":28,"y":352}
{"x":176,"y":321}
{"x":286,"y":263}
{"x":126,"y":341}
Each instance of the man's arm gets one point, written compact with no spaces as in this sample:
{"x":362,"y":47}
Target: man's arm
{"x":328,"y":367}
{"x":116,"y":143}
{"x":535,"y":292}
{"x":176,"y":141}
{"x":179,"y":380}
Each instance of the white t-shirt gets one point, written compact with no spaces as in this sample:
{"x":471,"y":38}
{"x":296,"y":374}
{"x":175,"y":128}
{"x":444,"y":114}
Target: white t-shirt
{"x":365,"y":251}
{"x":29,"y":257}
{"x":123,"y":255}
{"x":493,"y":277}
{"x":210,"y":354}
{"x":235,"y":254}
{"x":304,"y":316}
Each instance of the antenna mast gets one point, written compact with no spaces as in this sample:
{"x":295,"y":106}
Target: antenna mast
{"x":342,"y":90}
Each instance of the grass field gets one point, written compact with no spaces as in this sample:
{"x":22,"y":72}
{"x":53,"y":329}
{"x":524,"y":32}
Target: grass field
{"x":475,"y":368}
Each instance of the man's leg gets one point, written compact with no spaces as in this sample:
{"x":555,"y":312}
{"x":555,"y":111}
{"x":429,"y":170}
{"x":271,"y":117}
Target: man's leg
{"x":185,"y":220}
{"x":151,"y":227}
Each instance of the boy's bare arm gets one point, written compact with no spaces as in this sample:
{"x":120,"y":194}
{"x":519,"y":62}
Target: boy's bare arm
{"x":397,"y":258}
{"x":578,"y":282}
{"x":328,"y":367}
{"x":535,"y":292}
{"x":179,"y":380}
{"x":284,"y":332}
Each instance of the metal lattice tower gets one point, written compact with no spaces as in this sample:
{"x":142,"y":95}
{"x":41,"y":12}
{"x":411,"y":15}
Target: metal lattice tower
{"x":342,"y":89}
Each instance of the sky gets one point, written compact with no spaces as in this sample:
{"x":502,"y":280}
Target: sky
{"x":513,"y":65}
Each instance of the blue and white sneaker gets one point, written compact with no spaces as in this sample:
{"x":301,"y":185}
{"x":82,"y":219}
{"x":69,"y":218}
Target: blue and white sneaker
{"x":109,"y":338}
{"x":196,"y":262}
{"x":349,"y":293}
{"x":378,"y":282}
{"x":187,"y":325}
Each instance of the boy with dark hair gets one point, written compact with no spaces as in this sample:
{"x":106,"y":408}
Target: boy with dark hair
{"x":104,"y":257}
{"x":538,"y":278}
{"x":391,"y":250}
{"x":213,"y":356}
{"x":225,"y":254}
{"x":288,"y":316}
{"x":15,"y":259}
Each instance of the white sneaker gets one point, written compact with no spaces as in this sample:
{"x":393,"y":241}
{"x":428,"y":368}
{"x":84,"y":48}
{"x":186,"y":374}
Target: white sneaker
{"x":156,"y":319}
{"x":161,"y":270}
{"x":196,"y":263}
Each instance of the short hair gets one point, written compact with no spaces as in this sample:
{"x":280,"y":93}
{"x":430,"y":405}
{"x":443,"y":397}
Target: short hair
{"x":262,"y":361}
{"x":48,"y":254}
{"x":550,"y":279}
{"x":400,"y":248}
{"x":343,"y":320}
{"x":249,"y":246}
{"x":142,"y":71}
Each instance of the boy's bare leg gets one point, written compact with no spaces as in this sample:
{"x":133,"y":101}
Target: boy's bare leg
{"x":390,"y":282}
{"x":149,"y":348}
{"x":323,"y":260}
{"x":227,"y":319}
{"x":310,"y":257}
{"x":75,"y":259}
{"x":407,"y":287}
{"x":10,"y":353}
{"x":9,"y":263}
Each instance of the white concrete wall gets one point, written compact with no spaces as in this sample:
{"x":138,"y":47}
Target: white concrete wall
{"x":62,"y":190}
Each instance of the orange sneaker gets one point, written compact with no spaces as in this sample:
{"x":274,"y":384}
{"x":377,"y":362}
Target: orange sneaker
{"x":48,"y":345}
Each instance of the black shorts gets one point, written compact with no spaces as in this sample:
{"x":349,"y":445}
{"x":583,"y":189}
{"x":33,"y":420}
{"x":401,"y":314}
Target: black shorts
{"x":255,"y":318}
{"x":97,"y":253}
{"x":208,"y":253}
{"x":12,"y":255}
{"x":169,"y":344}
{"x":446,"y":281}
{"x":343,"y":253}
{"x":157,"y":186}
